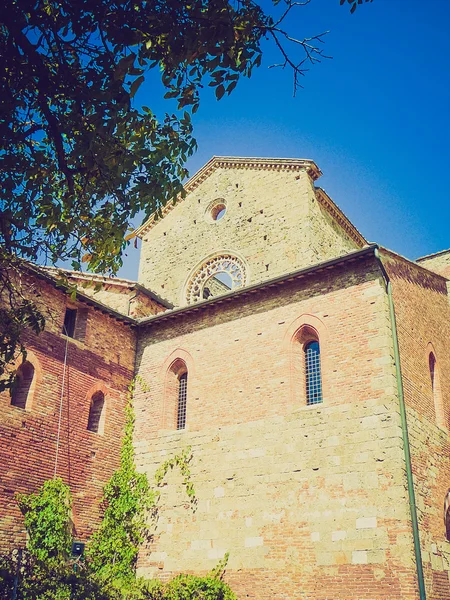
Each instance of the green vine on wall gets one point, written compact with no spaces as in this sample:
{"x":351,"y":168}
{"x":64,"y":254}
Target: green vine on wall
{"x":129,"y":500}
{"x":182,"y":462}
{"x":127,"y":496}
{"x":47,"y":521}
{"x":109,"y":573}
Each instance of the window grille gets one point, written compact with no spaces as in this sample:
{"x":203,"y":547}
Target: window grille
{"x":313,"y":375}
{"x":182,"y":398}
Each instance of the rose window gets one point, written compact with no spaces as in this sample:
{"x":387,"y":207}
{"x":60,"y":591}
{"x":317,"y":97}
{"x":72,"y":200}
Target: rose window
{"x":217,"y":276}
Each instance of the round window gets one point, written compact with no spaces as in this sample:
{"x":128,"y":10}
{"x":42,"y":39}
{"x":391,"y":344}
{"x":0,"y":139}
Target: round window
{"x":217,"y":276}
{"x":216,"y":210}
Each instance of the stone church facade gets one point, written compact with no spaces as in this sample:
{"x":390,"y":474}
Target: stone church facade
{"x":306,"y":369}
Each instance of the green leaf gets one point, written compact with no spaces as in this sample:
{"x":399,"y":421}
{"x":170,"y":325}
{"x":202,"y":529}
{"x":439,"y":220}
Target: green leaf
{"x":135,"y":85}
{"x":220,"y":91}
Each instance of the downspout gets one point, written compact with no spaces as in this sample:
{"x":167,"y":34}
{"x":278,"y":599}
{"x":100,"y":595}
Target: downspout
{"x":405,"y":436}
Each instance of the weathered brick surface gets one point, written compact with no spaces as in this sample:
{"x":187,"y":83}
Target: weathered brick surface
{"x":309,"y":501}
{"x":119,"y":294}
{"x":28,"y":437}
{"x":439,"y":263}
{"x":423,"y":318}
{"x":273,"y":221}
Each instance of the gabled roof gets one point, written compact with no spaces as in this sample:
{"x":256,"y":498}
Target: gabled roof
{"x":57,"y":282}
{"x":431,"y":256}
{"x":103,"y":280}
{"x":235,"y":162}
{"x":333,"y":209}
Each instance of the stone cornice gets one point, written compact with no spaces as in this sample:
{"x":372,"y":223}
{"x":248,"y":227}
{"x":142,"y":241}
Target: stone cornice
{"x":432,"y":256}
{"x":249,"y":290}
{"x":235,"y":162}
{"x":106,"y":282}
{"x":324,"y":199}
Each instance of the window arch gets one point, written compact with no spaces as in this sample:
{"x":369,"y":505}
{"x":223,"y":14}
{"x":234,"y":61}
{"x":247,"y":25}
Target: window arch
{"x":447,"y":515}
{"x":436,"y":389}
{"x":177,"y":376}
{"x":176,"y":395}
{"x":216,"y":275}
{"x":313,"y":375}
{"x":96,"y":420}
{"x":305,"y":341}
{"x":22,"y":389}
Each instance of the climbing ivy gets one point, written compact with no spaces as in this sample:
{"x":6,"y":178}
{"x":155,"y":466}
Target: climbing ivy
{"x":127,"y":497}
{"x":47,"y":521}
{"x":47,"y":572}
{"x":182,"y":462}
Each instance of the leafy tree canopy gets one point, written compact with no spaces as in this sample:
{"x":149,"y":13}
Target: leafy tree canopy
{"x":79,"y":158}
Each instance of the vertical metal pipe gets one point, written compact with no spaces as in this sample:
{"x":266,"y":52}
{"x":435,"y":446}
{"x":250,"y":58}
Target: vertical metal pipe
{"x":405,"y":435}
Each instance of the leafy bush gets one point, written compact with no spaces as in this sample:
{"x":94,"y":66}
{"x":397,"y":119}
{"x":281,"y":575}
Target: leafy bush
{"x":47,"y":521}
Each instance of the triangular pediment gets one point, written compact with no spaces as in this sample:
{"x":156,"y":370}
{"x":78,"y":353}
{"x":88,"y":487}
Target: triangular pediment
{"x":233,"y":162}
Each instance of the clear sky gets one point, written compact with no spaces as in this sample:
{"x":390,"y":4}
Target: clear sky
{"x":375,"y":118}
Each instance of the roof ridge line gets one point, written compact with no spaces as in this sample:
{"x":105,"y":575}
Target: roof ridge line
{"x":230,"y":162}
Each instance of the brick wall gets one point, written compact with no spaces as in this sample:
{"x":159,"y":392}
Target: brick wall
{"x":273,"y":222}
{"x":103,"y":361}
{"x":439,"y":263}
{"x":119,"y":294}
{"x":310,"y":501}
{"x":423,"y":319}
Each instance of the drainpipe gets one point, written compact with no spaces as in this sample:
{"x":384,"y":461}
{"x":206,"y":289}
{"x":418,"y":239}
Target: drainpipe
{"x":405,"y":436}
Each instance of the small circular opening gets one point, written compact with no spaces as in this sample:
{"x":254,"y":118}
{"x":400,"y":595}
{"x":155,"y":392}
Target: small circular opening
{"x":218,"y":211}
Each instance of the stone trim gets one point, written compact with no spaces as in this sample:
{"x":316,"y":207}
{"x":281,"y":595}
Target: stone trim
{"x":434,"y":255}
{"x":230,"y":162}
{"x":252,"y":289}
{"x":193,"y":287}
{"x":37,"y":378}
{"x":324,"y":199}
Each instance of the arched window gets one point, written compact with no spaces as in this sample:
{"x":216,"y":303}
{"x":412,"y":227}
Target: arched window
{"x":313,"y":375}
{"x":96,"y":421}
{"x":436,"y":390}
{"x":447,"y":515}
{"x":175,"y":372}
{"x":217,"y":275}
{"x":20,"y":392}
{"x":182,"y":400}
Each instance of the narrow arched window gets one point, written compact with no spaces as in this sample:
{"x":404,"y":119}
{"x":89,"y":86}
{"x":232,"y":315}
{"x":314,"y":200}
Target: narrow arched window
{"x":436,"y":390}
{"x":20,"y":391}
{"x":96,"y":419}
{"x":182,"y":400}
{"x":447,"y":515}
{"x":312,"y":373}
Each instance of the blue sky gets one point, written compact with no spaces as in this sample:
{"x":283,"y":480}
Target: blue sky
{"x":375,"y":118}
